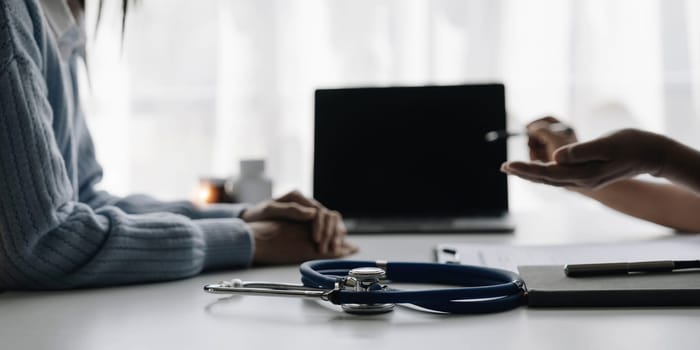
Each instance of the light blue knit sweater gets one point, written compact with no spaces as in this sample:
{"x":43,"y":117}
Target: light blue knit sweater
{"x":56,"y":230}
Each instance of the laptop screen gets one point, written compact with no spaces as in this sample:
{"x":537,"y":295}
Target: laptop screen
{"x":404,"y":152}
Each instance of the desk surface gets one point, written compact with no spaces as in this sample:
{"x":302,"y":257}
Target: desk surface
{"x":178,"y":315}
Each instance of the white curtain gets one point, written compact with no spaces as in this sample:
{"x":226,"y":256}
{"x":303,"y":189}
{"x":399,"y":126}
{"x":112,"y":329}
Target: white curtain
{"x":200,"y":85}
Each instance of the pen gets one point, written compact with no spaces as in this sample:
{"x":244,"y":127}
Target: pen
{"x":496,"y":135}
{"x":623,"y":268}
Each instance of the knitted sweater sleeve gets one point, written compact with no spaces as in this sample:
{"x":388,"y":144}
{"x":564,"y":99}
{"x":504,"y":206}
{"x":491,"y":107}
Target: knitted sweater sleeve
{"x":142,"y":204}
{"x":49,"y":239}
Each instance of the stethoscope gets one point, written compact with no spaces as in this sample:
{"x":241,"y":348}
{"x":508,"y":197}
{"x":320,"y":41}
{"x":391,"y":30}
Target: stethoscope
{"x":360,"y":287}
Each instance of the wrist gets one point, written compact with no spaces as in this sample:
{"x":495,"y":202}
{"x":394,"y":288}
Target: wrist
{"x":662,"y":159}
{"x":588,"y":192}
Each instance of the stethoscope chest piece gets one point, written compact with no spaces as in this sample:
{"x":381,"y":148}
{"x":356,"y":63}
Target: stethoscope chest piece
{"x":366,"y":279}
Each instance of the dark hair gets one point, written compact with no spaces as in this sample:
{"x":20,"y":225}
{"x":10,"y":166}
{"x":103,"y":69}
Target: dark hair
{"x":125,"y":7}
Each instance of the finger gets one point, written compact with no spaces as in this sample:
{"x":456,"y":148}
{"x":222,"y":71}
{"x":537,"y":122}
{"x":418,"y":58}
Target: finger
{"x":346,"y":249}
{"x":537,"y":150}
{"x":294,"y":196}
{"x":505,"y":167}
{"x":544,"y":135}
{"x":522,"y":167}
{"x":539,"y":178}
{"x":545,"y":181}
{"x":542,"y":128}
{"x":322,"y":229}
{"x":298,"y":197}
{"x":343,"y":229}
{"x":549,"y":170}
{"x":534,"y":142}
{"x":588,"y":175}
{"x":289,"y":211}
{"x":340,"y":231}
{"x":542,"y":122}
{"x":332,"y":234}
{"x":317,"y":227}
{"x":596,"y":150}
{"x":534,"y":170}
{"x":328,"y":230}
{"x":349,"y":248}
{"x":539,"y":155}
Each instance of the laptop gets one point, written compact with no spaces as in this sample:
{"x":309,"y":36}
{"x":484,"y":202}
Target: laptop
{"x":412,"y":159}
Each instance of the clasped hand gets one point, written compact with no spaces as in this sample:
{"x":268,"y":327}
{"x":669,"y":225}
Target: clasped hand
{"x":559,"y":160}
{"x":294,"y":228}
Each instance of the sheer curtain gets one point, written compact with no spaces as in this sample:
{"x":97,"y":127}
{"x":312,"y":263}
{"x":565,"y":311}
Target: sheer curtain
{"x":200,"y":85}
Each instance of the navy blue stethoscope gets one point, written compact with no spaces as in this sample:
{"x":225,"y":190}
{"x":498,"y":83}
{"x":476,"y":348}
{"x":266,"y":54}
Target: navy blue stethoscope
{"x":360,"y":287}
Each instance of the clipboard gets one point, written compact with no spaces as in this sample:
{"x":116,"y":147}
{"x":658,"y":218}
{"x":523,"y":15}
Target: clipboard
{"x":542,"y":269}
{"x":509,"y":257}
{"x":548,"y":286}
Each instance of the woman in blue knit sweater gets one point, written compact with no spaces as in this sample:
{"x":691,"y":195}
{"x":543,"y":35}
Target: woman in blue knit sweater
{"x":57,"y":231}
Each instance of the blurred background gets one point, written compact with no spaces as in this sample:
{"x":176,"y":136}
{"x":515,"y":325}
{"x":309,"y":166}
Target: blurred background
{"x":195,"y":86}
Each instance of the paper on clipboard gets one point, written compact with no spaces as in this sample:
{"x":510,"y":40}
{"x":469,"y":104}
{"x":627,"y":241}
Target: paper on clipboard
{"x":509,"y":257}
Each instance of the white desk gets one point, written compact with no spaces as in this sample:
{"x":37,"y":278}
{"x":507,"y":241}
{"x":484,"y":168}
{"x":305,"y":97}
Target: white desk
{"x":179,"y":315}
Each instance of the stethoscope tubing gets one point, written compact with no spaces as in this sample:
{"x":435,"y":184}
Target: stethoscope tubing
{"x":481,"y":289}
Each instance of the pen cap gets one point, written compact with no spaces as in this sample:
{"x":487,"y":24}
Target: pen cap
{"x":577,"y":270}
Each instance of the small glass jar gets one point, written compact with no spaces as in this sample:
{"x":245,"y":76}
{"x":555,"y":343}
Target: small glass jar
{"x":252,"y":185}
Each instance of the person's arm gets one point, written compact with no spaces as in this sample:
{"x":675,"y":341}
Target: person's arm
{"x":619,"y":155}
{"x":328,"y":231}
{"x":144,"y":204}
{"x":680,"y":164}
{"x":90,"y":174}
{"x":672,"y":205}
{"x":50,"y":240}
{"x":665,"y":204}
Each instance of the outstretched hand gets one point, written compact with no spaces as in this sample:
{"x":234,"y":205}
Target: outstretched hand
{"x":596,"y":163}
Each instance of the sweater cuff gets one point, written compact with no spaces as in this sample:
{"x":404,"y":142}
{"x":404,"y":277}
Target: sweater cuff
{"x":227,"y":243}
{"x":221,"y":210}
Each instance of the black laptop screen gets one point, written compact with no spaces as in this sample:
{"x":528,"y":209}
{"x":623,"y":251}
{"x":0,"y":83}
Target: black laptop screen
{"x":410,"y":151}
